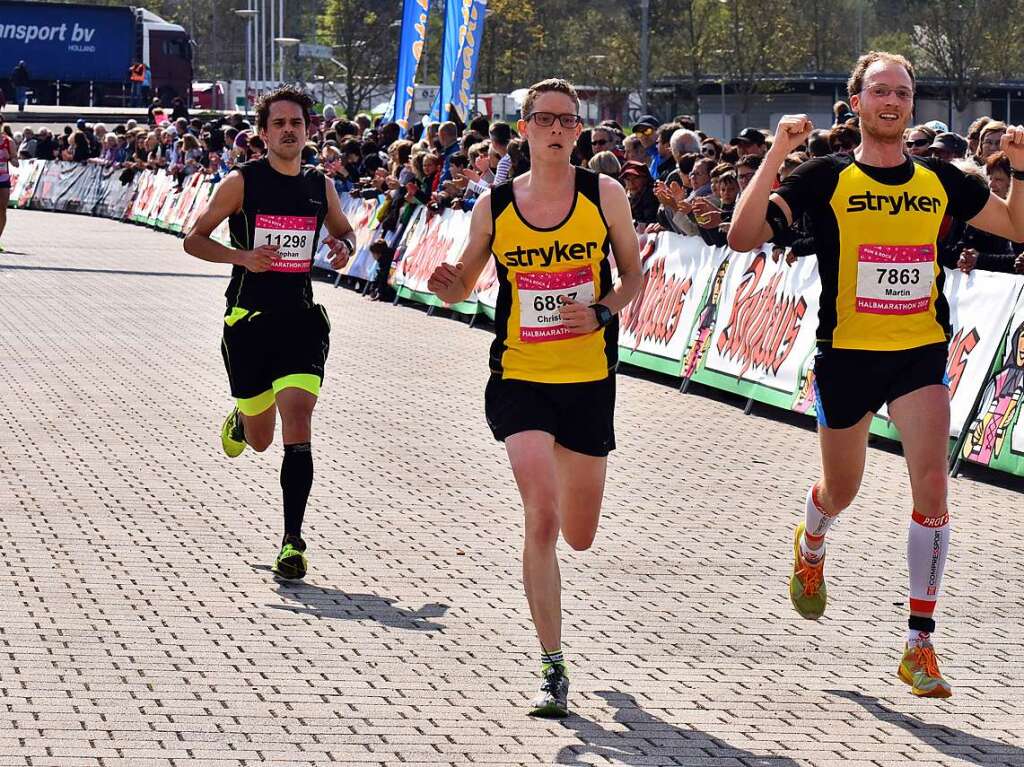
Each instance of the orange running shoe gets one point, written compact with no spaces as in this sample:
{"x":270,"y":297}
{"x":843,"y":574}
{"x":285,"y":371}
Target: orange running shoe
{"x":807,"y":589}
{"x":920,"y":669}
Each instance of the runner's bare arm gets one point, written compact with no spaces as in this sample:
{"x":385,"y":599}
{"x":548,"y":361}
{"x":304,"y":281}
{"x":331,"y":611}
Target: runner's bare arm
{"x":14,"y":161}
{"x":227,"y":199}
{"x":454,"y":282}
{"x":749,"y":228}
{"x":625,"y":246}
{"x":1005,"y":218}
{"x":342,"y":239}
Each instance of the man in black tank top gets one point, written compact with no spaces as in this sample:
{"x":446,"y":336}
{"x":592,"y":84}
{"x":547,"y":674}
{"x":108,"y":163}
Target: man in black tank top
{"x":275,"y":338}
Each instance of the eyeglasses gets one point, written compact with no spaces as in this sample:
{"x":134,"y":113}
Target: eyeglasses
{"x":547,"y":119}
{"x":917,"y":143}
{"x":709,"y":151}
{"x":883,"y":91}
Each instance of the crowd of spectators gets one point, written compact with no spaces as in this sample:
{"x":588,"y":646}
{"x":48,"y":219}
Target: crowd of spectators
{"x":676,"y":177}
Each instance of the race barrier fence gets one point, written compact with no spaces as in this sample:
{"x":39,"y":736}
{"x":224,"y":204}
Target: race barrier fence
{"x":739,"y":322}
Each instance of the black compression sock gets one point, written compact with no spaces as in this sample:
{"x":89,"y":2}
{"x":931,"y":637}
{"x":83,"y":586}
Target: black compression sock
{"x":296,"y":481}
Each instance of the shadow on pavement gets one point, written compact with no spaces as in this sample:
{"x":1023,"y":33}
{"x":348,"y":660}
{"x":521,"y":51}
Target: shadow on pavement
{"x":649,"y":738}
{"x":335,"y":604}
{"x":956,"y":743}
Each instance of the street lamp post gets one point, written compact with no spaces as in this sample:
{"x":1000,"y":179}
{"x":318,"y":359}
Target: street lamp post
{"x":249,"y":15}
{"x":285,"y":43}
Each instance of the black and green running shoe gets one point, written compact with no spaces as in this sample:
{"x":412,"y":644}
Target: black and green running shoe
{"x":232,"y":434}
{"x":291,"y":561}
{"x":552,"y":701}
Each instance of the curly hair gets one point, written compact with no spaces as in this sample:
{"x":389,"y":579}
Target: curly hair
{"x":284,"y":93}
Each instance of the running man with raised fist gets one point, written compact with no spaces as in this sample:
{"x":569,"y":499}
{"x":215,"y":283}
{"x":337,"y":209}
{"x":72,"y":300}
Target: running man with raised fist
{"x":883,"y":325}
{"x":551,"y":395}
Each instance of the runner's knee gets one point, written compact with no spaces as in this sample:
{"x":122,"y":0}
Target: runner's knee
{"x":929,"y":489}
{"x":542,"y":526}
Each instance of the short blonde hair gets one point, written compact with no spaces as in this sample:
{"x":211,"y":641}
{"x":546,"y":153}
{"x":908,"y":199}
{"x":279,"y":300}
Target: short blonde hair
{"x":551,"y":85}
{"x":856,"y":82}
{"x":605,"y":162}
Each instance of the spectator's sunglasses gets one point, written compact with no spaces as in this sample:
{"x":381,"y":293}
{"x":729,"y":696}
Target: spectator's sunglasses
{"x":918,"y":143}
{"x":708,"y":151}
{"x":547,"y":119}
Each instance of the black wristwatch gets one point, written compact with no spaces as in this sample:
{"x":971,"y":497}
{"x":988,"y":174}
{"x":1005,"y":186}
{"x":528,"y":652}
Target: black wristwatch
{"x":1016,"y":175}
{"x":604,"y":315}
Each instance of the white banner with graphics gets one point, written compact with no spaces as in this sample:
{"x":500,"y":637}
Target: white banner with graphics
{"x":764,"y":327}
{"x":657,"y":329}
{"x":431,"y":239}
{"x":979,"y":305}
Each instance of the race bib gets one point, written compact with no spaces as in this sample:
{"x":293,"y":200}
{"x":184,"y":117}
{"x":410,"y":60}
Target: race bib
{"x":541,"y":295}
{"x":292,"y":235}
{"x":895,"y":279}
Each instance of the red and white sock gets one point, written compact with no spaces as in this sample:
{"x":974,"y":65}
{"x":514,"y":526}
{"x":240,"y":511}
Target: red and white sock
{"x":816,"y":524}
{"x":927,"y":546}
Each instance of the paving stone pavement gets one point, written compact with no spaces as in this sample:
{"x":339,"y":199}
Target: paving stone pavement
{"x":139,"y":624}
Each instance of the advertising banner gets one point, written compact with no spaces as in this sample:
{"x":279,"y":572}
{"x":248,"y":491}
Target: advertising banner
{"x":23,"y":182}
{"x":995,"y":436}
{"x":464,"y":75}
{"x":410,"y":48}
{"x":456,"y":19}
{"x":116,"y":196}
{"x":362,"y":215}
{"x":432,"y":239}
{"x":67,"y":42}
{"x":656,"y":331}
{"x":979,"y":305}
{"x":763,"y":328}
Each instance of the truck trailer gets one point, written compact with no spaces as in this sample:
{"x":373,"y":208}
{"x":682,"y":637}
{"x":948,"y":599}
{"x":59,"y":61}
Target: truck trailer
{"x":82,"y":54}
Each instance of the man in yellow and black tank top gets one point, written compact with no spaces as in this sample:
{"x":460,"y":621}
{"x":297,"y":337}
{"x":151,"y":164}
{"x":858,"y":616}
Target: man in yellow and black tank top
{"x":883,"y":324}
{"x":538,"y":269}
{"x":551,"y":393}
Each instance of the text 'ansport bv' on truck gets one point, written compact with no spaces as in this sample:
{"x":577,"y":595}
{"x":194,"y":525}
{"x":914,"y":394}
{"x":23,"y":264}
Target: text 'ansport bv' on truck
{"x":89,"y":50}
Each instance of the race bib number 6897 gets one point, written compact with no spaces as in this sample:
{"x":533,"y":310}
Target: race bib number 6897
{"x":541,"y":296}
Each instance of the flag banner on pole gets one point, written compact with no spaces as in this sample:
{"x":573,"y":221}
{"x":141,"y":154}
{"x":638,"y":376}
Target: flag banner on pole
{"x":410,"y":48}
{"x":456,"y":20}
{"x":469,"y":55}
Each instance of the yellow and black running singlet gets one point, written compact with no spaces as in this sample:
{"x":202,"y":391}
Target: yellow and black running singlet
{"x":876,"y":232}
{"x":537,"y":270}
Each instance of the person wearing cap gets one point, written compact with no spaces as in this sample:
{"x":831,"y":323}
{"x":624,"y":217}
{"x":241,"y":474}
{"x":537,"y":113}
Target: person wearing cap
{"x":645,"y":129}
{"x":948,"y":147}
{"x":638,"y":181}
{"x":750,"y":141}
{"x":938,"y":126}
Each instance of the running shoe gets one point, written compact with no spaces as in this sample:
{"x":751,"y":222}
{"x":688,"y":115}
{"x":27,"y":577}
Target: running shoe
{"x":920,"y":669}
{"x":232,"y":435}
{"x":552,"y":701}
{"x":807,"y":589}
{"x":291,"y":561}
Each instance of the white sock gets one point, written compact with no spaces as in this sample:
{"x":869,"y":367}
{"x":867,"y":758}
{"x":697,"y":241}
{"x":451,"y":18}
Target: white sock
{"x":917,"y":638}
{"x":927,"y":546}
{"x":816,"y":524}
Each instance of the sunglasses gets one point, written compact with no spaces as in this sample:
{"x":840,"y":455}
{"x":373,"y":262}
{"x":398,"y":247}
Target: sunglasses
{"x":918,"y":143}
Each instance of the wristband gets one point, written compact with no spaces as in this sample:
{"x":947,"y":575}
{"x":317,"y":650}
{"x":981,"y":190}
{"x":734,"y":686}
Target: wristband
{"x":603,"y":314}
{"x":350,"y":241}
{"x":1016,"y":175}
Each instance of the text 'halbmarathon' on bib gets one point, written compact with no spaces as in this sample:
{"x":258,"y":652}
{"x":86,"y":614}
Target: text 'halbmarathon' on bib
{"x":895,"y":279}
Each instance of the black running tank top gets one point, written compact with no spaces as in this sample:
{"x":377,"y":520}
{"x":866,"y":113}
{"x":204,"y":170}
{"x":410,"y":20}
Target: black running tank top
{"x":286,"y":211}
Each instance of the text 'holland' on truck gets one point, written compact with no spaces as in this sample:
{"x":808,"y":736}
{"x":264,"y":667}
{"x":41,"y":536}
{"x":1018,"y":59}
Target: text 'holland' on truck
{"x":91,"y":49}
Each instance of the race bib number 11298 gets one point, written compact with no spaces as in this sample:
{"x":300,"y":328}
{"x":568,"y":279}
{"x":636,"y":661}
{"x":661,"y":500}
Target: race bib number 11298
{"x":292,"y":236}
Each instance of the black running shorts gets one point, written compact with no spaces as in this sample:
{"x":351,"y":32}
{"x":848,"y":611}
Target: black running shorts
{"x":262,"y":352}
{"x":850,"y":383}
{"x":580,"y":416}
